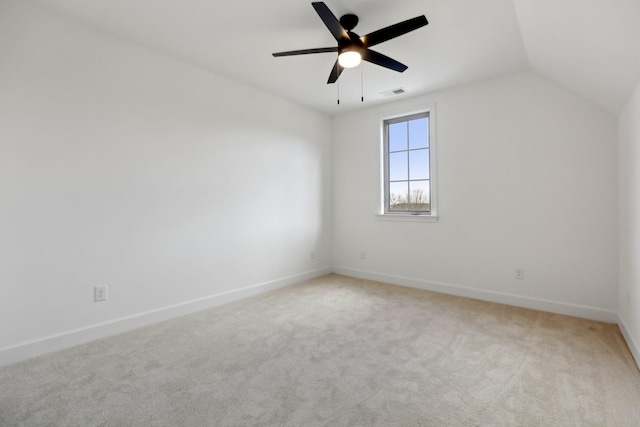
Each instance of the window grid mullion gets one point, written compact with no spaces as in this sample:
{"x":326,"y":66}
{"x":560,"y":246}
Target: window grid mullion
{"x":408,"y":170}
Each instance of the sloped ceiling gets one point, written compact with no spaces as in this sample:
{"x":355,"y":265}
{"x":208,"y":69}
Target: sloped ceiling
{"x":590,"y":46}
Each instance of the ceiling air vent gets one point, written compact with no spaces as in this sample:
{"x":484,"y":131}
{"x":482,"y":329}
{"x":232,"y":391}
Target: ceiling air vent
{"x":393,"y":92}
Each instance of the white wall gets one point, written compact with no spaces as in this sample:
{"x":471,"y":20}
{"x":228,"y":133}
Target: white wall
{"x":629,"y":187}
{"x":527,"y":178}
{"x":122,"y":167}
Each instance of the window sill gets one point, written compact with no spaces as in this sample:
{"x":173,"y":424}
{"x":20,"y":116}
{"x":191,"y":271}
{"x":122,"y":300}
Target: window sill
{"x":407,"y":217}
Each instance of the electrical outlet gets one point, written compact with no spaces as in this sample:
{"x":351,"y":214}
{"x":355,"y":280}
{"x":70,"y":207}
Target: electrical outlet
{"x":312,"y":255}
{"x":363,"y":255}
{"x":519,"y":273}
{"x":100,"y":293}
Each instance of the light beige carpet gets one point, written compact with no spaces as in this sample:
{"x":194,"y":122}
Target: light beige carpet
{"x":337,"y":351}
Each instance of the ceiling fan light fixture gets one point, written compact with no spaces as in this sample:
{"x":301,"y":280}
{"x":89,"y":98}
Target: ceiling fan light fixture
{"x":352,"y":48}
{"x":349,"y":58}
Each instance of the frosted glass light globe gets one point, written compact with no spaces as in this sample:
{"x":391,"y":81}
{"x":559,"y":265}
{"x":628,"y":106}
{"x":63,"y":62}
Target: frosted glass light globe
{"x":349,"y":59}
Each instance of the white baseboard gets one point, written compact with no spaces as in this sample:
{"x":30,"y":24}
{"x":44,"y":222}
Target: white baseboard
{"x":515,"y":300}
{"x":72,"y":338}
{"x":633,"y":346}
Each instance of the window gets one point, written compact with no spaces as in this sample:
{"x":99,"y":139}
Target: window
{"x":408,"y":165}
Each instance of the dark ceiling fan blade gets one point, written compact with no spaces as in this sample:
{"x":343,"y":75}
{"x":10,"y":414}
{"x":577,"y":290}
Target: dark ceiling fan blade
{"x":382,"y":60}
{"x":335,"y":73}
{"x":330,"y":20}
{"x":393,"y":31}
{"x":307,"y":51}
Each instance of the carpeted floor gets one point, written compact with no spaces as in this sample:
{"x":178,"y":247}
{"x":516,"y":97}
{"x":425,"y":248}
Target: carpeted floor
{"x":337,"y":351}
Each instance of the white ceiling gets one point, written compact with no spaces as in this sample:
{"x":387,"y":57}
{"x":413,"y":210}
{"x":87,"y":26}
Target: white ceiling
{"x":590,"y":46}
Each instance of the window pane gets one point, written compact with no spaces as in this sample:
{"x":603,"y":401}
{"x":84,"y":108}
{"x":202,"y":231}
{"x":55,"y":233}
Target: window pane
{"x":398,"y":196}
{"x":398,"y":166}
{"x":418,"y":133}
{"x":398,"y":136}
{"x":419,"y":164}
{"x":420,"y":195}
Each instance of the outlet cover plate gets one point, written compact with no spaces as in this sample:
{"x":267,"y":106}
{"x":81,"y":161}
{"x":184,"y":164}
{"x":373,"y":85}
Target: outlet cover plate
{"x":100,"y":293}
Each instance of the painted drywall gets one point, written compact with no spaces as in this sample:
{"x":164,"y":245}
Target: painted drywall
{"x":586,"y":45}
{"x":526,"y":176}
{"x":629,"y":188}
{"x":123,"y":167}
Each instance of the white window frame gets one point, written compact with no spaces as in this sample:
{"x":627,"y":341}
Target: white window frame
{"x":432,"y":216}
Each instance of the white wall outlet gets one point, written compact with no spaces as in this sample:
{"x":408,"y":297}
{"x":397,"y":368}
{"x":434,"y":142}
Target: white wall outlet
{"x":100,"y":293}
{"x":363,"y":255}
{"x":519,"y":273}
{"x":312,"y":255}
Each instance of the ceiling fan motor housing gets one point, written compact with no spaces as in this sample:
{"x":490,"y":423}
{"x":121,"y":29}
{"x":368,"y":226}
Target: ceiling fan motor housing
{"x":352,"y":44}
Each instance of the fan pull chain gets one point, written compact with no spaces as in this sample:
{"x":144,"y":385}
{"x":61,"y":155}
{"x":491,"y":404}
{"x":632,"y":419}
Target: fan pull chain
{"x":338,"y":85}
{"x":361,"y":83}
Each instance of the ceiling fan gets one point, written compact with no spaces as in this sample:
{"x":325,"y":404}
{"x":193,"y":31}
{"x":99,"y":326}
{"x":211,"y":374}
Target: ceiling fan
{"x":351,"y":47}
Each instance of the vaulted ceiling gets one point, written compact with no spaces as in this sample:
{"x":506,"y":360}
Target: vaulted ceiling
{"x":589,"y":46}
